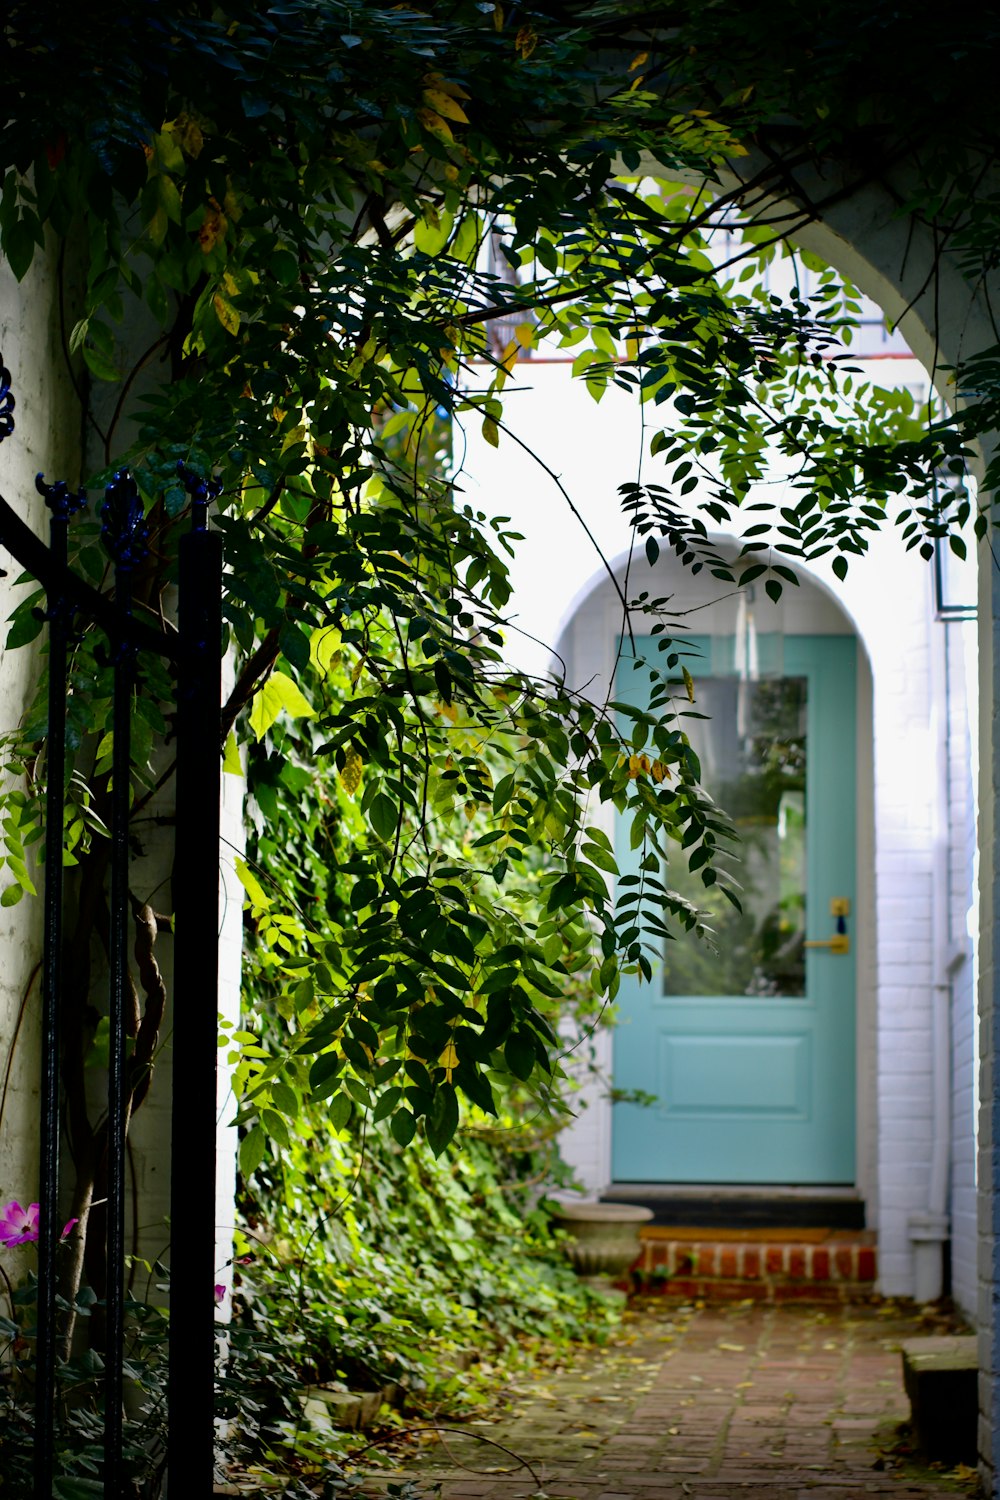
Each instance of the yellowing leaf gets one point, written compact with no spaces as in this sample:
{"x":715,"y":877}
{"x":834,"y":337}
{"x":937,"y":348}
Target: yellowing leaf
{"x":170,"y":198}
{"x":638,"y":60}
{"x":167,"y":151}
{"x":688,"y":683}
{"x":189,"y":134}
{"x":509,"y":357}
{"x":526,"y":41}
{"x":445,"y":105}
{"x":323,"y":646}
{"x":491,"y":432}
{"x":525,"y":334}
{"x":251,"y":884}
{"x":213,"y":227}
{"x":498,"y":18}
{"x":435,"y":125}
{"x":231,"y":762}
{"x":226,"y":314}
{"x":431,"y":233}
{"x":350,"y":775}
{"x":278,"y":695}
{"x":446,"y":85}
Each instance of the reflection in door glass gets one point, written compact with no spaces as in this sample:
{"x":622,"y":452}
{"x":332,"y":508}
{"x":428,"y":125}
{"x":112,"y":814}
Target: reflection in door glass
{"x":752,"y":749}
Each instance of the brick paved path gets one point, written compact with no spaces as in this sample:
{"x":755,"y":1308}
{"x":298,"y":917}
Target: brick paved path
{"x":772,"y":1403}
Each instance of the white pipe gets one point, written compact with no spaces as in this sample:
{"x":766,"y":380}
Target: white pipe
{"x":929,"y":1230}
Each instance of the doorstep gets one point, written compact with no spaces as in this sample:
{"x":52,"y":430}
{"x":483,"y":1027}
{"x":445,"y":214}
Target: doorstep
{"x":743,"y":1206}
{"x":704,"y":1263}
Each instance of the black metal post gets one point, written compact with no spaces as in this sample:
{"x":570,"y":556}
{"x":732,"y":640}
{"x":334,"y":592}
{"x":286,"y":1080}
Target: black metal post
{"x":191,"y":1373}
{"x":124,"y":534}
{"x":61,"y":505}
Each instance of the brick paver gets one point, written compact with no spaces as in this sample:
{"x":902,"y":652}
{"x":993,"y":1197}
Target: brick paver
{"x":773,"y":1403}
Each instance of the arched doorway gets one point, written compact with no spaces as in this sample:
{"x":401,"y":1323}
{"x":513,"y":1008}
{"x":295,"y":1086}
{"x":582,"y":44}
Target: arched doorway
{"x":756,"y":1064}
{"x":747,"y":1041}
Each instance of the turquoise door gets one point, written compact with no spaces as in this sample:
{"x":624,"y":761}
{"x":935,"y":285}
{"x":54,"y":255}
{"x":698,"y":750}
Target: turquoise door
{"x":749,"y":1051}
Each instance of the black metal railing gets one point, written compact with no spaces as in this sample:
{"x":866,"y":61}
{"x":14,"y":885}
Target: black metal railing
{"x":195,"y":655}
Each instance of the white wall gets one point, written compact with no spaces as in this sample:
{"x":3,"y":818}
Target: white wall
{"x":46,"y":437}
{"x":963,"y":932}
{"x":887,"y":599}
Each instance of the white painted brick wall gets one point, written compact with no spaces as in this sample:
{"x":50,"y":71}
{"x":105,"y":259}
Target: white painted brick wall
{"x":960,"y":639}
{"x":894,"y":622}
{"x":47,"y":426}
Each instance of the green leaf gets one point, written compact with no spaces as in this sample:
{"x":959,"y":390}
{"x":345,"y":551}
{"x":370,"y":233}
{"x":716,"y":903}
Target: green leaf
{"x":275,"y":1127}
{"x":431,"y":234}
{"x":519,"y":1053}
{"x":403,"y":1127}
{"x":327,"y":1065}
{"x":66,"y":1487}
{"x":387,"y":1102}
{"x":252,"y":1150}
{"x":442,"y":1121}
{"x":100,"y":364}
{"x":23,"y":629}
{"x":284,"y":267}
{"x":278,"y":695}
{"x":339,"y":1112}
{"x":599,"y":857}
{"x":19,"y":246}
{"x":11,"y":895}
{"x":231,"y":763}
{"x":384,"y":816}
{"x":285,"y":1099}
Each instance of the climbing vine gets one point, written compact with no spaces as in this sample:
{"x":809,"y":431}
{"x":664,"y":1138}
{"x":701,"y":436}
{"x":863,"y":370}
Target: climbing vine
{"x":297,"y":242}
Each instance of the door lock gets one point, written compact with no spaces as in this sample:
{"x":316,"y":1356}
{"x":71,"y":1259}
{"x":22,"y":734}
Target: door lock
{"x":840,"y":908}
{"x":839,"y":943}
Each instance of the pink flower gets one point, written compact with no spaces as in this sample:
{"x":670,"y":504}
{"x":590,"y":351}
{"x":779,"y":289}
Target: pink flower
{"x":19,"y":1226}
{"x":220,"y":1294}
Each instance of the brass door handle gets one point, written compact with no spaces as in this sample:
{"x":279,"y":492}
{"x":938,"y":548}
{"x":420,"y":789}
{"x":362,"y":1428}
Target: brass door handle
{"x":839,"y":943}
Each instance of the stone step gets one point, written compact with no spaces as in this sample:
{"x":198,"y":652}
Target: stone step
{"x":941,"y":1379}
{"x":767,"y":1265}
{"x":687,"y":1205}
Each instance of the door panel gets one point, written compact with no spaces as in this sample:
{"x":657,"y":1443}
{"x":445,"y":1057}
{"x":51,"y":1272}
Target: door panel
{"x":749,"y":1051}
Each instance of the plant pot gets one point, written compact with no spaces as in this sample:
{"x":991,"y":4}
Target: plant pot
{"x":605,"y":1236}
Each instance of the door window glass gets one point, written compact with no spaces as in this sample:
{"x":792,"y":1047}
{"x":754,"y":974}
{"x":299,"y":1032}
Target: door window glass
{"x":752,"y":748}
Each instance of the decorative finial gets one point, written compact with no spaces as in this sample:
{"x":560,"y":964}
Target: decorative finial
{"x":201,"y":491}
{"x":123,"y":527}
{"x":61,"y":500}
{"x":6,"y":403}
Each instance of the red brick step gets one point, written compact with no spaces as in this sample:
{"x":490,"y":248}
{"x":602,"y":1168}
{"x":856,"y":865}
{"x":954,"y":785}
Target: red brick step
{"x":767,"y":1265}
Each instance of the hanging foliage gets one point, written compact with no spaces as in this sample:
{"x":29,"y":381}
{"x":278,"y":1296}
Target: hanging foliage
{"x":302,"y":225}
